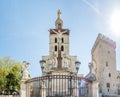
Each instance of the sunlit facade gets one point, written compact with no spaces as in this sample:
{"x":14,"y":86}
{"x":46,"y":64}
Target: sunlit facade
{"x":60,"y":76}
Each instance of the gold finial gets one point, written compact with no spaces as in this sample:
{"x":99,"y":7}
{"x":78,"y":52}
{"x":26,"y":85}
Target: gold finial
{"x":59,"y":13}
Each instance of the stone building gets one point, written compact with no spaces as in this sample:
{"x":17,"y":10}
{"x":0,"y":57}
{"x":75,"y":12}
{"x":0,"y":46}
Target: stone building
{"x":60,"y":76}
{"x":104,"y":58}
{"x":59,"y":49}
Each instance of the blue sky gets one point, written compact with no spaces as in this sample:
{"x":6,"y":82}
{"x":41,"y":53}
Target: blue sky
{"x":24,"y":26}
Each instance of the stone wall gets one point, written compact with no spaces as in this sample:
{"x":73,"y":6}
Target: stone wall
{"x":104,"y":54}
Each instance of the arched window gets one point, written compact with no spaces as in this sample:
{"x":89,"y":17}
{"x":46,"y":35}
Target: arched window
{"x":55,"y":48}
{"x":62,"y":40}
{"x":62,"y":48}
{"x":55,"y":40}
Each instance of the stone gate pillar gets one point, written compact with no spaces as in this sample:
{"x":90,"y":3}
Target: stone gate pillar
{"x":23,"y":88}
{"x":25,"y":77}
{"x":95,"y":89}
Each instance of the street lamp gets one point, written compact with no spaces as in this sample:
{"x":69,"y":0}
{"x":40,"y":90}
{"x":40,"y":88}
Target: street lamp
{"x":77,"y":64}
{"x":41,"y":63}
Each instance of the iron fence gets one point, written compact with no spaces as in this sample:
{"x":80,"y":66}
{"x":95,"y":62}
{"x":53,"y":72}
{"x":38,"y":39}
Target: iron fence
{"x":58,"y":86}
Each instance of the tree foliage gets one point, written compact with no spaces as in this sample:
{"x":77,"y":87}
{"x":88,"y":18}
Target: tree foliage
{"x":10,"y":75}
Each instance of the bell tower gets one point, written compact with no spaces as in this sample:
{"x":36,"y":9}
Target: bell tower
{"x":58,"y":58}
{"x":59,"y":40}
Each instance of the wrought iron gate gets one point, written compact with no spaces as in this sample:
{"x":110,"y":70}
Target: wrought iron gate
{"x":57,"y":86}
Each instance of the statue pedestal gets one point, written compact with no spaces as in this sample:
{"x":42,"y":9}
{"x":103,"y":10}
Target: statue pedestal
{"x":23,"y":88}
{"x":95,"y":89}
{"x":25,"y":77}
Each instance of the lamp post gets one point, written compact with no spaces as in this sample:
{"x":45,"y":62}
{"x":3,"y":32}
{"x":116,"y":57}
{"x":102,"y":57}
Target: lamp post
{"x":42,"y":67}
{"x":75,"y":88}
{"x":77,"y":64}
{"x":41,"y":63}
{"x":118,"y":85}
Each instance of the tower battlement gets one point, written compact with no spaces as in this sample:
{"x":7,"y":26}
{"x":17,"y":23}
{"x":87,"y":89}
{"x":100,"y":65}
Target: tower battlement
{"x":103,"y":38}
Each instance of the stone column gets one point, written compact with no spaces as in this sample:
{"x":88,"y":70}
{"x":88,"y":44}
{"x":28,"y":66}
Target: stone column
{"x":23,"y":88}
{"x":95,"y":89}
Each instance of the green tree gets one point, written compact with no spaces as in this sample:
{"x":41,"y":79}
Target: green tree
{"x":3,"y":73}
{"x":10,"y":75}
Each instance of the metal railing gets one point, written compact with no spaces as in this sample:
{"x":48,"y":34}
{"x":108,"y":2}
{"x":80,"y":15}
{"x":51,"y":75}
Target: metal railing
{"x":57,"y":86}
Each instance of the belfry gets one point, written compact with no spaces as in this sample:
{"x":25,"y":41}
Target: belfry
{"x":58,"y":58}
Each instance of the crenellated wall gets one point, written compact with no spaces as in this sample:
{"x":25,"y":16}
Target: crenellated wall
{"x":103,"y":38}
